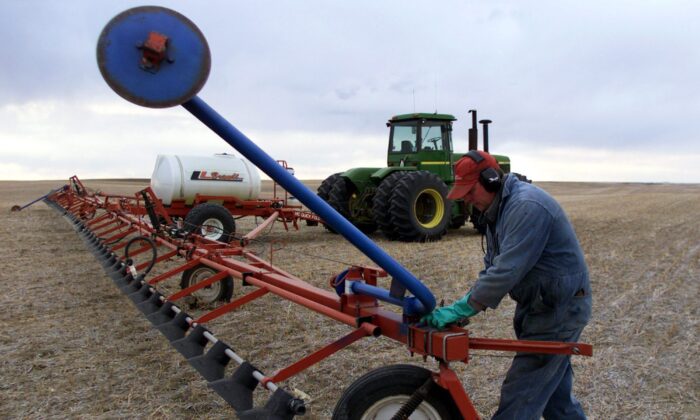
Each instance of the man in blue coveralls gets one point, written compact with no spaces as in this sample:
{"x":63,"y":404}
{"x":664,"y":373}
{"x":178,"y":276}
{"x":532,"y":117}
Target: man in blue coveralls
{"x":533,"y":255}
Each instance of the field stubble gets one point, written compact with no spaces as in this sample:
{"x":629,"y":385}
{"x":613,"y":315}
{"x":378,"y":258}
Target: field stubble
{"x":73,"y":346}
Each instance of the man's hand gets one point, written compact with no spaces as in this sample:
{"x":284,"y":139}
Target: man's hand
{"x":442,"y":317}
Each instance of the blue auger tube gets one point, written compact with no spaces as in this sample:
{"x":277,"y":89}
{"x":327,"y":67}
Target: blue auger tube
{"x":424,"y":301}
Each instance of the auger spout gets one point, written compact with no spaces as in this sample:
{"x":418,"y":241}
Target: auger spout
{"x":425,"y":300}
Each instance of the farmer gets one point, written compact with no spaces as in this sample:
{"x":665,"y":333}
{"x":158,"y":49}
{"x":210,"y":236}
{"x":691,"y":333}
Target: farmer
{"x":533,"y":255}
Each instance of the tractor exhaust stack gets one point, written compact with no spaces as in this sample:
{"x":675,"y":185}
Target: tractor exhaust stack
{"x":486,"y":123}
{"x":473,"y":132}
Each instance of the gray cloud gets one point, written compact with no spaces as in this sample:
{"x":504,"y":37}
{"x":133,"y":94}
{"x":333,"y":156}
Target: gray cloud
{"x":618,"y":77}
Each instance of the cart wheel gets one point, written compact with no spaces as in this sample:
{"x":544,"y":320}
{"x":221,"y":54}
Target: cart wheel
{"x":220,"y":290}
{"x":382,"y":392}
{"x":212,"y":221}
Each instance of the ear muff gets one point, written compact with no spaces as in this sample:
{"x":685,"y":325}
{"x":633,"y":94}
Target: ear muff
{"x":490,"y":178}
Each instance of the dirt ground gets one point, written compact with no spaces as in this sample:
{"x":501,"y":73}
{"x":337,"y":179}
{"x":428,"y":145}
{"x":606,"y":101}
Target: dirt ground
{"x":72,"y":346}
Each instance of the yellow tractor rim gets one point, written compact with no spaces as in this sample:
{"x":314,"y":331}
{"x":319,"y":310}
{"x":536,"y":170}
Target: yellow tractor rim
{"x":429,"y":208}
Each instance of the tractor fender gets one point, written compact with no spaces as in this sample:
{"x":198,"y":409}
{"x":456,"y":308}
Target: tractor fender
{"x":359,"y":177}
{"x":382,"y":173}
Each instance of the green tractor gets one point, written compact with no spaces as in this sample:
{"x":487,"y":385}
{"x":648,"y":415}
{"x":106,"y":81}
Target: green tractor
{"x":406,"y":200}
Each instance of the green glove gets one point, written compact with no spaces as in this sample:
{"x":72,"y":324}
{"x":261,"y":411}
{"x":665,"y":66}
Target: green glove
{"x":441,"y":317}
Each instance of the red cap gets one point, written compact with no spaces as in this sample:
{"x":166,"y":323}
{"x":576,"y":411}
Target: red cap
{"x":467,"y":172}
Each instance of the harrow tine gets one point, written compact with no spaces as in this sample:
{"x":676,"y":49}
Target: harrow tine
{"x":212,"y":364}
{"x":193,"y":344}
{"x":128,"y":284}
{"x":176,"y":328}
{"x":125,"y":280}
{"x":134,"y":287}
{"x":141,"y":295}
{"x":118,"y":273}
{"x":152,"y":304}
{"x":164,"y":314}
{"x":237,"y":390}
{"x":280,"y":406}
{"x":110,"y":261}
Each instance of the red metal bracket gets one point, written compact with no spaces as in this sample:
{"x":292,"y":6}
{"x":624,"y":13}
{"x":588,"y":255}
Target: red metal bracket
{"x":154,"y":51}
{"x":317,"y":356}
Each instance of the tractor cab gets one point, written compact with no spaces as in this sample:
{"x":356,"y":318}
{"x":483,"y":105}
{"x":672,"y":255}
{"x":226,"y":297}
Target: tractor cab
{"x":422,"y":141}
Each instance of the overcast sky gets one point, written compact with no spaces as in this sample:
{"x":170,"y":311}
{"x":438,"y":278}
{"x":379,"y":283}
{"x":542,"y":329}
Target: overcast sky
{"x":577,"y":91}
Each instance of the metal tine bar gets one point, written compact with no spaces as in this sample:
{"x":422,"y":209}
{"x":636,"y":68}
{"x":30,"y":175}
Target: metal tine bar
{"x":166,"y":256}
{"x":115,"y":228}
{"x":98,"y":219}
{"x":231,"y":306}
{"x":138,"y":251}
{"x":105,"y":224}
{"x":121,"y":235}
{"x":174,"y":271}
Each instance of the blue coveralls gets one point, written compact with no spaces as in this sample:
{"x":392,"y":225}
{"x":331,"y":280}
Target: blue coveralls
{"x":533,"y":255}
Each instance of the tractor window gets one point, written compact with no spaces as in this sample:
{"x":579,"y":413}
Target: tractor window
{"x":404,"y":139}
{"x":431,"y":137}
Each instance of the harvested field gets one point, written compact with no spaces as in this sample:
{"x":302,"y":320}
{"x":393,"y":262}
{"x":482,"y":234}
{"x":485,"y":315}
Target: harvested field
{"x":73,"y":347}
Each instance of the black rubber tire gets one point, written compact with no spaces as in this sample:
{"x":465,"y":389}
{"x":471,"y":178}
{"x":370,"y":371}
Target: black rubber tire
{"x":341,"y":199}
{"x":214,"y":215}
{"x":459,"y":217}
{"x":323,"y":191}
{"x":419,"y":209}
{"x":458,"y":221}
{"x":219,"y":291}
{"x":381,"y":203}
{"x":396,"y":381}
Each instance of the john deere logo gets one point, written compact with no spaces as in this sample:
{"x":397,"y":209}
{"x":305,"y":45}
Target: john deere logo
{"x":215,"y":176}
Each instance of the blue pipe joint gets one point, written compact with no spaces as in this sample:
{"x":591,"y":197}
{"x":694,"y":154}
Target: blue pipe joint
{"x":411,"y":305}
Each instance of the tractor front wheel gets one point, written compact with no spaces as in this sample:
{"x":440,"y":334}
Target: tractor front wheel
{"x":381,"y":393}
{"x":419,"y":210}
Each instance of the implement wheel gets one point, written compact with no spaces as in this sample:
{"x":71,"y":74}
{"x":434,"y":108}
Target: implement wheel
{"x":381,"y":393}
{"x":419,"y":210}
{"x":343,"y":197}
{"x":221,"y":290}
{"x":381,"y":203}
{"x":212,"y":221}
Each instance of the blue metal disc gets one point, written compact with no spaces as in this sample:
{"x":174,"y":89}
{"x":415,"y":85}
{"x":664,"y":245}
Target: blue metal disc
{"x":176,"y":79}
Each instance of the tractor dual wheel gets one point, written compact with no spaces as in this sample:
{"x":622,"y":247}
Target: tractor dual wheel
{"x":419,"y":209}
{"x":381,"y":203}
{"x":221,"y":290}
{"x":343,"y":197}
{"x":212,"y":221}
{"x":323,"y":191}
{"x":381,"y":393}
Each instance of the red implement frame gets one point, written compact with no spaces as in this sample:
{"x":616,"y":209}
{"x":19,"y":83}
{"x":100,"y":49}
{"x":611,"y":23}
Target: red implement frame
{"x":365,"y":315}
